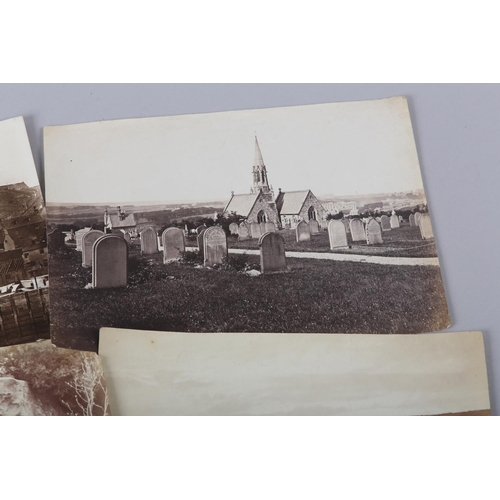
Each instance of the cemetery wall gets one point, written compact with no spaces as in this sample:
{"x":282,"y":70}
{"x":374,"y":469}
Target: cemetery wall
{"x":24,"y":317}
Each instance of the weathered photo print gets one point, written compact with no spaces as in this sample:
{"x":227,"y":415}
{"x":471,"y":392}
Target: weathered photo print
{"x":40,"y":379}
{"x":297,"y":219}
{"x":24,"y":298}
{"x":165,"y":373}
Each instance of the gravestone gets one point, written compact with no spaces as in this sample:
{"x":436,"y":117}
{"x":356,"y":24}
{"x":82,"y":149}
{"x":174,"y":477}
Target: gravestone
{"x":126,"y":236}
{"x":233,"y":228}
{"x":255,"y":231}
{"x":412,"y":220}
{"x":426,"y":227}
{"x":78,"y":237}
{"x":346,"y":225}
{"x":199,"y":240}
{"x":288,"y":225}
{"x":302,"y":232}
{"x":201,"y":228}
{"x":269,"y":227}
{"x":337,"y":234}
{"x":118,"y":232}
{"x":149,"y":241}
{"x":373,"y":233}
{"x":394,"y":221}
{"x":385,"y":223}
{"x":357,"y":230}
{"x":243,"y":232}
{"x":314,"y":226}
{"x":417,"y":219}
{"x":214,"y":246}
{"x":173,"y":244}
{"x":56,"y":240}
{"x":272,"y":253}
{"x":88,"y":241}
{"x":110,"y":262}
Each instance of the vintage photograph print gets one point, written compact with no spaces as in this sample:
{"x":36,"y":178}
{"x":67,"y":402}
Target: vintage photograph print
{"x":297,"y":219}
{"x":24,"y":298}
{"x":41,"y":379}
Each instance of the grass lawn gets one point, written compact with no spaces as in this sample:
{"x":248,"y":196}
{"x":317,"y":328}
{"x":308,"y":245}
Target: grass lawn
{"x":402,"y":242}
{"x":313,"y":296}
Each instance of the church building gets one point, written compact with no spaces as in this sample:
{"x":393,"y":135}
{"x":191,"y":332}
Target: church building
{"x":259,"y":205}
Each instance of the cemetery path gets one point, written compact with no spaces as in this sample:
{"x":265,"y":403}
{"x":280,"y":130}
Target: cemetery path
{"x":370,"y":259}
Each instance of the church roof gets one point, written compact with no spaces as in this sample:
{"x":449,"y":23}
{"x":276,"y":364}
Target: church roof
{"x":117,"y":221}
{"x":293,"y":202}
{"x":241,"y":204}
{"x":258,"y":161}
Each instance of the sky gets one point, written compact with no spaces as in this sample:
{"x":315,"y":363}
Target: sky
{"x":16,"y":159}
{"x":349,"y":148}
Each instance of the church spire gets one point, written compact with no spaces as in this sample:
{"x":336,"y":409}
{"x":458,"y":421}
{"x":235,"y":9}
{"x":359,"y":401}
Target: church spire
{"x":258,"y":161}
{"x":260,"y":180}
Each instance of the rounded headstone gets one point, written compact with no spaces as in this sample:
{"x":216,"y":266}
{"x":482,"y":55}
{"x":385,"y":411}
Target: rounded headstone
{"x":149,"y":241}
{"x":272,"y":253}
{"x":385,"y":223}
{"x":426,"y":227}
{"x":302,"y":232}
{"x":337,"y":234}
{"x":394,"y":221}
{"x":357,"y":230}
{"x":243,"y":232}
{"x":314,"y":226}
{"x":110,"y":262}
{"x":233,"y":228}
{"x":88,"y":241}
{"x":173,"y":244}
{"x":373,"y":232}
{"x":214,"y":246}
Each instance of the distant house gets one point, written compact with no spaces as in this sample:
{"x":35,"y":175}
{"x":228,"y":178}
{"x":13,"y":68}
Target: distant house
{"x":12,"y":267}
{"x":296,"y":206}
{"x":120,"y":220}
{"x":334,"y":208}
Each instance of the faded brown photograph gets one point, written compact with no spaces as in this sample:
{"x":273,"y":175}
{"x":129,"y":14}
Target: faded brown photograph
{"x":303,"y":219}
{"x":40,"y":379}
{"x":24,"y":298}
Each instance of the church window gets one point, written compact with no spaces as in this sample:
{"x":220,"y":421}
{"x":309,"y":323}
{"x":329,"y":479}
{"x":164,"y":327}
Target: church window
{"x":311,"y":213}
{"x":261,"y":216}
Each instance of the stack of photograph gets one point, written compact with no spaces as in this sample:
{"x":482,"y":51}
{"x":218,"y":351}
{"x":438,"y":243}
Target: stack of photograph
{"x":276,"y":261}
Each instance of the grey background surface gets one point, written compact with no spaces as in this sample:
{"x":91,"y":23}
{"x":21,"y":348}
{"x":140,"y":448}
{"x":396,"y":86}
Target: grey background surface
{"x":457,"y":133}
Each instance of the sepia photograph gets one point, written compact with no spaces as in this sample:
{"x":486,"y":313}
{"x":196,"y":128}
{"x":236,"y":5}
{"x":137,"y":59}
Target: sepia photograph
{"x":40,"y":379}
{"x":167,"y":373}
{"x":24,"y":298}
{"x":305,"y":219}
